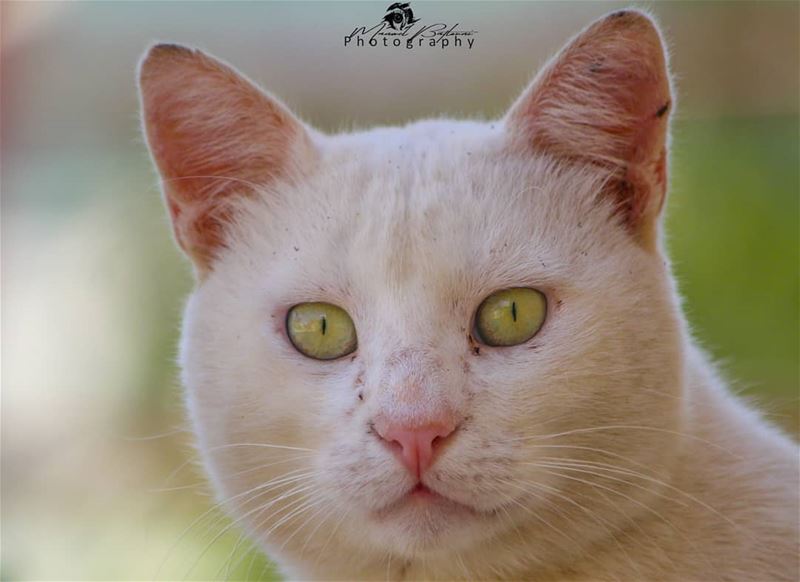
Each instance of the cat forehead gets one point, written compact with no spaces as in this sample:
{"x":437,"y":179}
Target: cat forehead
{"x":415,"y":141}
{"x":446,"y":174}
{"x":433,"y":162}
{"x":433,"y":201}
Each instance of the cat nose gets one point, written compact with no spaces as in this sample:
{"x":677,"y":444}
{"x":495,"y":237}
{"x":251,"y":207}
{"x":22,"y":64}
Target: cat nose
{"x":415,"y":446}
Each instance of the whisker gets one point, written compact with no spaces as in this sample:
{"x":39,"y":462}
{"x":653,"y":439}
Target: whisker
{"x":629,"y":498}
{"x":238,"y":520}
{"x":229,"y":561}
{"x":322,"y":507}
{"x":330,"y":537}
{"x":507,"y":499}
{"x":255,"y":553}
{"x":277,"y":511}
{"x":292,"y":514}
{"x":330,"y":513}
{"x":619,"y":470}
{"x":593,"y":450}
{"x":309,"y":504}
{"x":585,"y":469}
{"x":628,"y":427}
{"x":543,"y":520}
{"x":261,"y":445}
{"x":215,"y":448}
{"x":137,"y":439}
{"x":696,"y":500}
{"x":286,"y":478}
{"x":305,"y":506}
{"x":603,"y":523}
{"x":237,"y":473}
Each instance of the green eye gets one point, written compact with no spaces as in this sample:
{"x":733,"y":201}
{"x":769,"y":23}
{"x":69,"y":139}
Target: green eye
{"x":321,"y":331}
{"x":510,"y":317}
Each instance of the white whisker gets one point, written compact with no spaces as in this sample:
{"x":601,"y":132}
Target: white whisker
{"x":628,"y":427}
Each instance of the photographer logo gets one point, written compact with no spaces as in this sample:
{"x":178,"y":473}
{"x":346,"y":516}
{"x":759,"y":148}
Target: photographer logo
{"x":400,"y":28}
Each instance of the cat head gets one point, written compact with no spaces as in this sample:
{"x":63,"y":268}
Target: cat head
{"x":406,"y":341}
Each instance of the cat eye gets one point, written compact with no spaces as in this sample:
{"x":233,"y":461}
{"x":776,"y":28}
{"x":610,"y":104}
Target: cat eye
{"x":321,"y":331}
{"x":510,"y":317}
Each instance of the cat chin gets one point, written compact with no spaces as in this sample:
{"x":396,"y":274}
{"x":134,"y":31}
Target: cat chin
{"x":423,"y":524}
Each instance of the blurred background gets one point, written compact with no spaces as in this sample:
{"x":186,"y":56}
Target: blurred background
{"x":98,"y":475}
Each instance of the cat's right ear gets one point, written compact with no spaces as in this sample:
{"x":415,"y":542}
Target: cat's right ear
{"x":215,"y":138}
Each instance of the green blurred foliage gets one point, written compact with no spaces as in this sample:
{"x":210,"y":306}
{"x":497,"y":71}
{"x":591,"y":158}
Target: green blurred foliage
{"x":732,"y":224}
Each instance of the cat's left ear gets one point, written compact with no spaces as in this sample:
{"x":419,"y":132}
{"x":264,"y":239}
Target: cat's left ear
{"x":605,"y":100}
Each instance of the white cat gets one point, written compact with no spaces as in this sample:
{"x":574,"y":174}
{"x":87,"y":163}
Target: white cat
{"x":454,"y":350}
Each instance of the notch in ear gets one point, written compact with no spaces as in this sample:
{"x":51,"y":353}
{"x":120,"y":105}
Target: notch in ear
{"x":605,"y":100}
{"x":215,"y":138}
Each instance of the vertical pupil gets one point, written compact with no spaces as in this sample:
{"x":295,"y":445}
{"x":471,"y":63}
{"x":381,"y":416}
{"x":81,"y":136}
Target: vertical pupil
{"x":324,"y":324}
{"x":514,"y":310}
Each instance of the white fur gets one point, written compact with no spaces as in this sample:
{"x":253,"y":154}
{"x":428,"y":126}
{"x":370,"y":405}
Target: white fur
{"x":605,"y":448}
{"x":409,"y":229}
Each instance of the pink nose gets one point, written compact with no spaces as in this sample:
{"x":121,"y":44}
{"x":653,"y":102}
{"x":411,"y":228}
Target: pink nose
{"x":417,"y":445}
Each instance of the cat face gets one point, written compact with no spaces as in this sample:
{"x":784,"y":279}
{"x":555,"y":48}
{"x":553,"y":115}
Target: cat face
{"x":426,"y":440}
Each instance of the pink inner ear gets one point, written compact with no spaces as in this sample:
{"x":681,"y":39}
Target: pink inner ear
{"x":174,"y":210}
{"x":604,"y":100}
{"x":215,"y":138}
{"x":198,"y":229}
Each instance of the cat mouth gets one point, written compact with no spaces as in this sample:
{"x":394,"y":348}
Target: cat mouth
{"x":420,"y":497}
{"x":421,"y":491}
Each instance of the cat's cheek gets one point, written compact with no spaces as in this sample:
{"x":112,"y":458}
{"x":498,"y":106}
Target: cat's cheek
{"x":343,"y":409}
